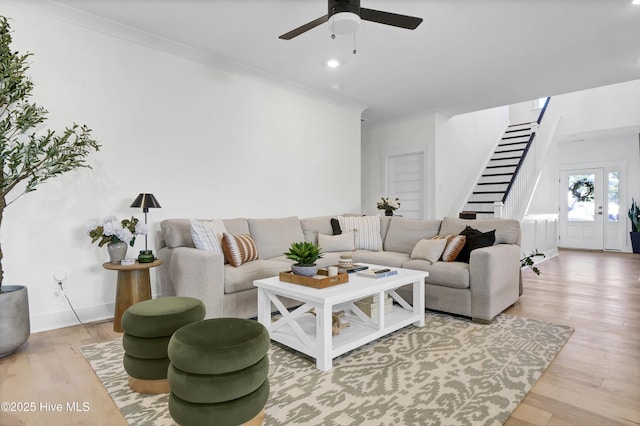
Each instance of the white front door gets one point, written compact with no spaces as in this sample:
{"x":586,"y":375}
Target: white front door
{"x":582,"y":210}
{"x":406,"y":180}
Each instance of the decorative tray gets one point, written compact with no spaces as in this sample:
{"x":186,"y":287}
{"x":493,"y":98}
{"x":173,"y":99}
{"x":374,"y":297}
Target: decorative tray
{"x":321,"y":280}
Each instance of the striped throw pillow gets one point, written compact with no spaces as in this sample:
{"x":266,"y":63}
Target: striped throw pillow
{"x":207,"y":234}
{"x":455,"y":244}
{"x":239,"y":249}
{"x":367,"y":229}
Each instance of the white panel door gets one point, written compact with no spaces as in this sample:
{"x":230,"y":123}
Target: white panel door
{"x":582,"y":209}
{"x":405,"y":180}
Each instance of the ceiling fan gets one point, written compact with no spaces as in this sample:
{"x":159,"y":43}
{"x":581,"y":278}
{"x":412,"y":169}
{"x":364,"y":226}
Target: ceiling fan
{"x":344,"y":18}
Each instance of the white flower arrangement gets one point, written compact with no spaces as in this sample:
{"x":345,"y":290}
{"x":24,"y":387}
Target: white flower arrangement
{"x":388,"y":204}
{"x":112,"y":230}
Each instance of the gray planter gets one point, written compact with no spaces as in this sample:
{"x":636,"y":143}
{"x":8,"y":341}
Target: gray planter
{"x":15,"y":327}
{"x":307,"y":271}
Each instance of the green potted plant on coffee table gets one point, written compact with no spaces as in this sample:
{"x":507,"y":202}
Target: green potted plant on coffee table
{"x":305,"y":254}
{"x":29,"y":156}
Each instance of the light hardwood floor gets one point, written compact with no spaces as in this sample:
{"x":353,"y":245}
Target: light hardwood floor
{"x":595,"y":379}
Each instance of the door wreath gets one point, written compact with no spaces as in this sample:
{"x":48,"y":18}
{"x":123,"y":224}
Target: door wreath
{"x":582,"y":190}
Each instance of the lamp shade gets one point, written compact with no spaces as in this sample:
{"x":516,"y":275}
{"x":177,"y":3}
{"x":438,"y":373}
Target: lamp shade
{"x":146,"y":201}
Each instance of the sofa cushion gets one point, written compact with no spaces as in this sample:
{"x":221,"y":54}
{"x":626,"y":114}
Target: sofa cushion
{"x":273,"y":237}
{"x":507,"y":230}
{"x":239,"y":249}
{"x":242,"y":277}
{"x":312,"y":226}
{"x":447,"y":274}
{"x":177,"y":233}
{"x":455,"y":244}
{"x":430,"y":250}
{"x":367,"y":231}
{"x":238,"y":225}
{"x":384,"y":258}
{"x":385,"y":221}
{"x":404,"y":234}
{"x":475,"y":239}
{"x":207,"y":234}
{"x":342,"y":242}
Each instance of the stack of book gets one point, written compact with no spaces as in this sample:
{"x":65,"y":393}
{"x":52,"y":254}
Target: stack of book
{"x":377,"y":273}
{"x":369,"y":305}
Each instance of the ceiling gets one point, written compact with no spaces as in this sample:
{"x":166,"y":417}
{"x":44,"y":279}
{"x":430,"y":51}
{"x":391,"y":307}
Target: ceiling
{"x":467,"y":55}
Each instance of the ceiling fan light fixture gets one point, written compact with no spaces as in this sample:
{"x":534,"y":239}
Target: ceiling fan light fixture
{"x":344,"y":23}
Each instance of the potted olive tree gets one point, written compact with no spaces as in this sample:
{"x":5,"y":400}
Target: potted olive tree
{"x":305,"y":254}
{"x":634,"y":215}
{"x":29,"y":157}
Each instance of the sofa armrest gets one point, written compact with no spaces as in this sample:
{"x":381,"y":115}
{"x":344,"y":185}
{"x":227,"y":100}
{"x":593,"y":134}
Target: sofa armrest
{"x":200,"y":274}
{"x":494,"y":277}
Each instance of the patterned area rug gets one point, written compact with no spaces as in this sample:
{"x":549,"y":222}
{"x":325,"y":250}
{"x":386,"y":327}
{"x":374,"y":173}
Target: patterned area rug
{"x":450,"y":372}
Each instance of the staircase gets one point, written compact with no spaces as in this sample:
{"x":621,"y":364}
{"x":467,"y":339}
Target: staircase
{"x":499,"y":174}
{"x":508,"y":173}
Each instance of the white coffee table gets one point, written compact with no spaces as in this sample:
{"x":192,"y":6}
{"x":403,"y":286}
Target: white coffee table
{"x":311,"y":334}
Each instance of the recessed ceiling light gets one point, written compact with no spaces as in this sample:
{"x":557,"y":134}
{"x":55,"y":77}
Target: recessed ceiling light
{"x":333,"y":63}
{"x":635,"y":2}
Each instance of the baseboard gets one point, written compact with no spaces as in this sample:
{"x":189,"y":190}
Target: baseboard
{"x":66,"y":318}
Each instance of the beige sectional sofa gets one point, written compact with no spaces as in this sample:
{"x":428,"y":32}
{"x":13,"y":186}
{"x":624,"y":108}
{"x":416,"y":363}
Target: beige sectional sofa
{"x":480,"y":289}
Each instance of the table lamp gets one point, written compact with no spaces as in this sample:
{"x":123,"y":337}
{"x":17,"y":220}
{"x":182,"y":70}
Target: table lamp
{"x":146,"y":201}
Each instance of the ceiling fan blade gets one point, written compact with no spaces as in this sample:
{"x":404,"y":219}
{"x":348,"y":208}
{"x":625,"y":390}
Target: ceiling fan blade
{"x":306,"y":27}
{"x":388,"y":18}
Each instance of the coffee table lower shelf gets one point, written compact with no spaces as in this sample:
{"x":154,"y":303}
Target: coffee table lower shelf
{"x":350,"y":338}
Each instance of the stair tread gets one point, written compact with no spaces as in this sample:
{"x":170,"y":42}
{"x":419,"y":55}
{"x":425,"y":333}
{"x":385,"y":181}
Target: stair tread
{"x":516,"y":137}
{"x":513,"y":143}
{"x":500,"y":167}
{"x":509,"y":150}
{"x":505,"y":158}
{"x":488,"y":192}
{"x":494,"y":183}
{"x":497,"y":174}
{"x":522,"y":124}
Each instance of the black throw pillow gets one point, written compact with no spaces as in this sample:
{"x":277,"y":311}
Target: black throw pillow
{"x":475,"y":239}
{"x":335,"y":226}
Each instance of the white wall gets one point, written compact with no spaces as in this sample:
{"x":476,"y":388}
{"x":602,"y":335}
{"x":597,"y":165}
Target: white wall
{"x":524,"y":112}
{"x":409,"y":135}
{"x":608,"y":107}
{"x":456,"y":148}
{"x":464,"y":145}
{"x":207,"y":143}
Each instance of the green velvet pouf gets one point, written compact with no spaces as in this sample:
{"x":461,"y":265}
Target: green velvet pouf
{"x":218,"y":345}
{"x":229,"y":413}
{"x":145,"y":347}
{"x":213,"y":388}
{"x":148,"y":327}
{"x":161,"y":317}
{"x":145,"y":369}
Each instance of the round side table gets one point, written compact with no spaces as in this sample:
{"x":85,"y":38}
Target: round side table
{"x":134,"y":285}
